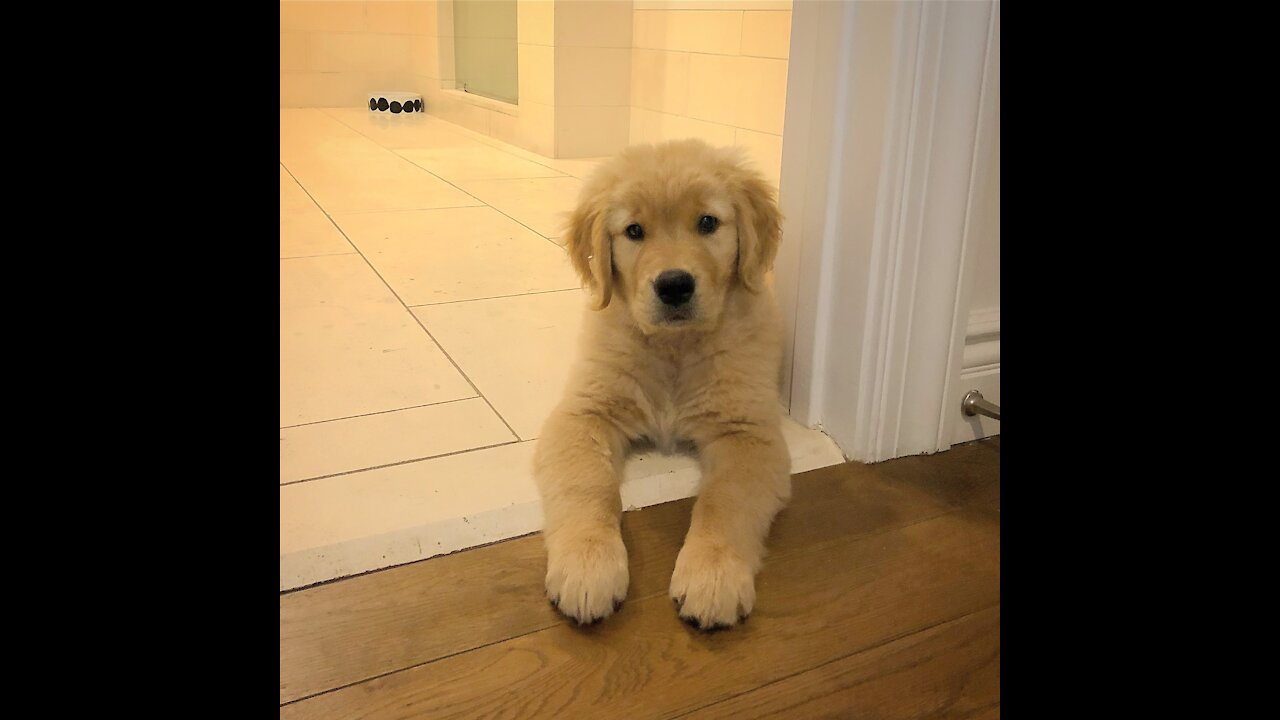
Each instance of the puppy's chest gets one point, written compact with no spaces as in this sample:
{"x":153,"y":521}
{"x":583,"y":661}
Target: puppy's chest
{"x":672,"y":391}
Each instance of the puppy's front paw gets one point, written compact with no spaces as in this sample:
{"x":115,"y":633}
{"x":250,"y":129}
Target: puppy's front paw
{"x":587,"y":576}
{"x":714,"y":587}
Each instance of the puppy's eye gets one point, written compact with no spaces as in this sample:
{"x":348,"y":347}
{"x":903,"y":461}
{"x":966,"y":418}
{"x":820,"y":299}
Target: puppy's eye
{"x":635,"y":232}
{"x":708,"y":224}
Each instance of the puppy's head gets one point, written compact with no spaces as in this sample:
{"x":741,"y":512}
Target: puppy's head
{"x":671,"y":230}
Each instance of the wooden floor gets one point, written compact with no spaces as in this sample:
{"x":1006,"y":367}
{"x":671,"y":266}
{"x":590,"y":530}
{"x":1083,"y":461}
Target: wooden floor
{"x":880,"y":598}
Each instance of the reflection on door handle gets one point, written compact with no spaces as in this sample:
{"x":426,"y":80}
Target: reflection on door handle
{"x":973,"y":404}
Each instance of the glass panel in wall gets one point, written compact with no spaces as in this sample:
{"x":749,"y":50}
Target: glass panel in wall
{"x":484,"y":33}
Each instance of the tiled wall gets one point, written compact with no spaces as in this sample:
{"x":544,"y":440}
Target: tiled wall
{"x":714,"y":70}
{"x":332,"y":53}
{"x":593,"y":76}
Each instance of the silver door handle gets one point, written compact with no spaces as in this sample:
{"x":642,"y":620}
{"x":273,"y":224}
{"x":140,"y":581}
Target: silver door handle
{"x":973,"y":404}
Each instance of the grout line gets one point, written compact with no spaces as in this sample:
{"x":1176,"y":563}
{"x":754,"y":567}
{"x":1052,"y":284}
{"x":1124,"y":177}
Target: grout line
{"x":379,"y":412}
{"x":303,"y":257}
{"x":412,"y":209}
{"x":416,"y":319}
{"x":517,"y":441}
{"x":895,"y":638}
{"x":495,"y":297}
{"x":445,"y":180}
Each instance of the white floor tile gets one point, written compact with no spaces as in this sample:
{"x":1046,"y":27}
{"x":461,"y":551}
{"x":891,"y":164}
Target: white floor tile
{"x":376,"y":518}
{"x":347,"y":172}
{"x":434,"y":256}
{"x":304,"y":233}
{"x":516,"y":350}
{"x":577,"y":167}
{"x":348,"y":347}
{"x":292,"y":197}
{"x":338,"y":446}
{"x":362,"y":385}
{"x":543,"y":204}
{"x":475,"y":163}
{"x":368,"y":186}
{"x":403,"y":131}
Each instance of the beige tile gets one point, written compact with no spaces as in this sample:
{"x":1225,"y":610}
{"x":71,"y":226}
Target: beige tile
{"x":437,"y":256}
{"x":390,"y":17}
{"x":533,"y":130}
{"x":322,"y":16}
{"x":312,"y":89}
{"x":517,"y":351}
{"x":304,"y":233}
{"x":675,"y":127}
{"x":600,"y":23}
{"x":700,"y":31}
{"x":587,"y":76}
{"x":536,"y":76}
{"x":448,"y":62}
{"x":346,"y":52}
{"x":348,"y":347}
{"x":643,"y":126}
{"x":712,"y":4}
{"x":347,"y":172}
{"x":293,"y":52}
{"x":764,"y":94}
{"x":400,"y":80}
{"x":716,"y":85}
{"x":660,"y":80}
{"x":379,"y":186}
{"x":424,"y":55}
{"x":423,"y":18}
{"x":337,"y":446}
{"x":292,"y":196}
{"x":450,"y":107}
{"x":472,"y":163}
{"x":591,"y":131}
{"x":403,"y":131}
{"x":579,"y":168}
{"x":377,"y":518}
{"x":541,"y":203}
{"x":765,"y":151}
{"x":535,"y":22}
{"x":766,"y":34}
{"x":654,"y":127}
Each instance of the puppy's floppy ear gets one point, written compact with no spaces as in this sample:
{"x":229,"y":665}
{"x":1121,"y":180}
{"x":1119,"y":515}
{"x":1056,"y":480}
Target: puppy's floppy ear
{"x":759,"y":228}
{"x":591,"y":250}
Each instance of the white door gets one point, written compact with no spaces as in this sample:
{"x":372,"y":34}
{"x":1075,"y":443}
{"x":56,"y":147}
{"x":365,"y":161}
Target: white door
{"x":889,"y":272}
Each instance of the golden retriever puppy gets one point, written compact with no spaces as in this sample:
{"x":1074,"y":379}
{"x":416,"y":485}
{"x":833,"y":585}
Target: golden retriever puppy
{"x":683,"y":346}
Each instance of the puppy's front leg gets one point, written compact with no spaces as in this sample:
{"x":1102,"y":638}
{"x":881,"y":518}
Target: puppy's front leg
{"x":745,"y":481}
{"x":578,"y":466}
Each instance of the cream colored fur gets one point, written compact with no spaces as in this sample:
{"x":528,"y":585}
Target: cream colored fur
{"x":710,"y":380}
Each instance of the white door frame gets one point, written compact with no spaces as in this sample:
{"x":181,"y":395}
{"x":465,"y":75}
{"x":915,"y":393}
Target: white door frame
{"x":891,"y":108}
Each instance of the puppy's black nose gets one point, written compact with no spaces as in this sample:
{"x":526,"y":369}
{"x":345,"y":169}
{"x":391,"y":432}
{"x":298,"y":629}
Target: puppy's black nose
{"x":674,"y":287}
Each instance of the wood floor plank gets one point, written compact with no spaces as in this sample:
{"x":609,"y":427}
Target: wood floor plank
{"x":821,"y":604}
{"x":965,"y":475}
{"x":344,"y":632}
{"x":950,"y":670}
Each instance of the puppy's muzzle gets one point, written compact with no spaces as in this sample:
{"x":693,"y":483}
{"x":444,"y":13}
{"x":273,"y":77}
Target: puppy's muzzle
{"x":674,"y":287}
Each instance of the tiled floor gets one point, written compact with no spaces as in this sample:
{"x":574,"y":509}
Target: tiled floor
{"x":427,"y":314}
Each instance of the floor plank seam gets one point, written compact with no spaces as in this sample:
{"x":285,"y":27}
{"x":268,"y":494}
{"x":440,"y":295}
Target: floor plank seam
{"x":411,"y":667}
{"x":638,"y":599}
{"x":820,"y":665}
